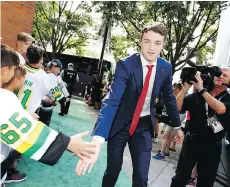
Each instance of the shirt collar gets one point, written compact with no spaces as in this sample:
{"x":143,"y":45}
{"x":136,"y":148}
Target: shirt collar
{"x":144,"y":62}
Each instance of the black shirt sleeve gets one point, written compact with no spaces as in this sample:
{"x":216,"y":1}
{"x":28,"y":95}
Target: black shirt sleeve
{"x":188,"y":102}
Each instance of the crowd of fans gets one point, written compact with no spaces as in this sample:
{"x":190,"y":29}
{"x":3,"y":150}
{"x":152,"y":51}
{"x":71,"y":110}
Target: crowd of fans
{"x":39,"y":87}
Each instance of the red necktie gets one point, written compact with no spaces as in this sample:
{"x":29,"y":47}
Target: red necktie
{"x":141,"y":102}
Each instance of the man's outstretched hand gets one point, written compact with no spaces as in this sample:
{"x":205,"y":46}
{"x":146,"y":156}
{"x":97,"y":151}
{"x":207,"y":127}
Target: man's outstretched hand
{"x":85,"y":164}
{"x":81,"y":148}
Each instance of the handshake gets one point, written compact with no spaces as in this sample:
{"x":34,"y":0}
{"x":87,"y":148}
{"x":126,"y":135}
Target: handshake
{"x":87,"y":152}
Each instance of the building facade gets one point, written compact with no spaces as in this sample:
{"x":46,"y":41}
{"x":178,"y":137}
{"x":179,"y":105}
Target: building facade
{"x":16,"y":17}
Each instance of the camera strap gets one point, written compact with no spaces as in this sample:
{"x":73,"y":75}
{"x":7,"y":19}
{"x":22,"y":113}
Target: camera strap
{"x":213,"y":121}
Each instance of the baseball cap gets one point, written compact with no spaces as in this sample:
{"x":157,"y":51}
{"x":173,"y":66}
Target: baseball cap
{"x":55,"y":63}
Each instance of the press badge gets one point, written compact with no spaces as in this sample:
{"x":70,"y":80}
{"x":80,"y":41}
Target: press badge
{"x":214,"y":123}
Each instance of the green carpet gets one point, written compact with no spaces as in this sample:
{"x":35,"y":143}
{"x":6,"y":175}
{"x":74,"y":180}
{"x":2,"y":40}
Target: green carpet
{"x":63,"y":174}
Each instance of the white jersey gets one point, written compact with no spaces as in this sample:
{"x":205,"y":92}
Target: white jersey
{"x":20,"y":131}
{"x":62,"y":86}
{"x":57,"y":93}
{"x":37,"y":84}
{"x":57,"y":80}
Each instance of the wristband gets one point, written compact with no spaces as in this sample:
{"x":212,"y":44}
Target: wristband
{"x":202,"y":91}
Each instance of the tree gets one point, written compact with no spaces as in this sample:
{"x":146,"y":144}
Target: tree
{"x":61,"y":24}
{"x":119,"y":46}
{"x":191,"y":26}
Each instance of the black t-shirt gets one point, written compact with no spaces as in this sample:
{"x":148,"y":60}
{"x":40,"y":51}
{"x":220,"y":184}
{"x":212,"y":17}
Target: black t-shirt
{"x":69,"y":76}
{"x":195,"y":103}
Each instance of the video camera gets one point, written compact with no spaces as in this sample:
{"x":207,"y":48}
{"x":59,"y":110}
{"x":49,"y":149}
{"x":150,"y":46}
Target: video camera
{"x":207,"y":74}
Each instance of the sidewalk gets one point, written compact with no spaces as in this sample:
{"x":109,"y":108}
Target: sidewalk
{"x":160,"y":171}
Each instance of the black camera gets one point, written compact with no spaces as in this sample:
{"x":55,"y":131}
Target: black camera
{"x":207,"y":74}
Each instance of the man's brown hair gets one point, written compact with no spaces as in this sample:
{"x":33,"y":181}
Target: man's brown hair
{"x":9,"y":57}
{"x":23,"y":36}
{"x":156,"y":27}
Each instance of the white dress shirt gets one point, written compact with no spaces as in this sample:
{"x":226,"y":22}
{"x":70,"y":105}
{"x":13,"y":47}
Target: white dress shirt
{"x":146,"y":107}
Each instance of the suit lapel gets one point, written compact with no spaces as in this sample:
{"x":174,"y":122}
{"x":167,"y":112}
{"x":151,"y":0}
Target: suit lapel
{"x":138,"y":73}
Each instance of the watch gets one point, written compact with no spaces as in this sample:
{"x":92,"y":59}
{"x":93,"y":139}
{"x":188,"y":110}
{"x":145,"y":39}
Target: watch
{"x":202,"y":91}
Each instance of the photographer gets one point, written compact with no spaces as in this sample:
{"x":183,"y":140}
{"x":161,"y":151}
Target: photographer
{"x":209,"y":116}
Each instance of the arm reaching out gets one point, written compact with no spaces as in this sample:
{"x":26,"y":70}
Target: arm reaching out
{"x":33,"y":138}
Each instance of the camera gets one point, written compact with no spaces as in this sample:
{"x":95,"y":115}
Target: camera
{"x":207,"y":74}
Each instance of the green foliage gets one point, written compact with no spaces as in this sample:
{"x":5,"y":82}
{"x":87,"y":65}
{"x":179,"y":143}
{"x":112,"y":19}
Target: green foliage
{"x":62,"y":25}
{"x":119,"y":46}
{"x":190,"y":25}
